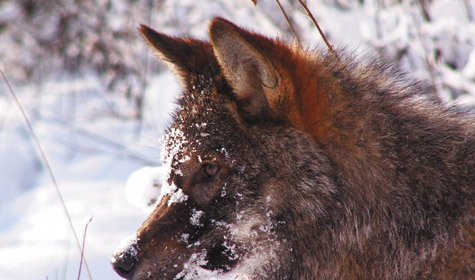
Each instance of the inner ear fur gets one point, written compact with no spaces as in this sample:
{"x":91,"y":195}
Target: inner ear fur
{"x":187,"y":58}
{"x":256,"y":78}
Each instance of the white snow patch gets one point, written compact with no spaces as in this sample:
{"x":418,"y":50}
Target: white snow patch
{"x":144,"y":186}
{"x":177,"y":197}
{"x":19,"y":163}
{"x":193,"y":270}
{"x":184,"y":237}
{"x":469,"y":69}
{"x":195,"y":217}
{"x":128,"y":246}
{"x":35,"y":233}
{"x":176,"y":194}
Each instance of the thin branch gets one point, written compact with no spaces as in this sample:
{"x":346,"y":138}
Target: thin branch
{"x":82,"y":251}
{"x":424,"y":10}
{"x":468,"y":10}
{"x":123,"y":150}
{"x":309,"y":13}
{"x":288,"y":21}
{"x":45,"y":163}
{"x":92,"y":150}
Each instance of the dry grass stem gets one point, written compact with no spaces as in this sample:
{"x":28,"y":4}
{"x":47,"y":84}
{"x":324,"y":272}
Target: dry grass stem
{"x":288,"y":21}
{"x":45,"y":163}
{"x":82,"y":250}
{"x":309,"y":13}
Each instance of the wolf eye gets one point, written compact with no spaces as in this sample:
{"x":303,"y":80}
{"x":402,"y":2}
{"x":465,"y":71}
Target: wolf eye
{"x":205,"y":174}
{"x":209,"y":170}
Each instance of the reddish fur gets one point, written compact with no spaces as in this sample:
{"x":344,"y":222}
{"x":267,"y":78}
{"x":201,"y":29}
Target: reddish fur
{"x":311,"y":111}
{"x":306,"y":89}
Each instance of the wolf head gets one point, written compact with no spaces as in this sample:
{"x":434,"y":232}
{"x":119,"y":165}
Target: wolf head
{"x":288,"y":164}
{"x":235,"y":159}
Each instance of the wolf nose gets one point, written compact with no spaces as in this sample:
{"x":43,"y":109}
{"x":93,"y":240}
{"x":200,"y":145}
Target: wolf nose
{"x":124,"y":260}
{"x":124,"y":263}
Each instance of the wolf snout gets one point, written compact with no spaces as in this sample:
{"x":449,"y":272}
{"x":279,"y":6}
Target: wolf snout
{"x":124,"y":260}
{"x":124,"y":264}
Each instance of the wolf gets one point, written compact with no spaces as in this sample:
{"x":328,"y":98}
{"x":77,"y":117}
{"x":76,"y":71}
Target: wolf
{"x":290,"y":163}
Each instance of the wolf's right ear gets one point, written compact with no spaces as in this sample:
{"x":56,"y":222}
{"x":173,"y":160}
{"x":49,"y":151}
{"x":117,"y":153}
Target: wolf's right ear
{"x":186,"y":58}
{"x":247,"y":62}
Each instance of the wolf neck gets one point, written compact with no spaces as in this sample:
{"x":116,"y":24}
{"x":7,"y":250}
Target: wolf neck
{"x":344,"y":121}
{"x":377,"y":139}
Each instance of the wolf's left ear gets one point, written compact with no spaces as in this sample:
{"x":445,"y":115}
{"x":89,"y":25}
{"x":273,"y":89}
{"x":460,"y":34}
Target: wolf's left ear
{"x":187,"y":58}
{"x":253,"y":75}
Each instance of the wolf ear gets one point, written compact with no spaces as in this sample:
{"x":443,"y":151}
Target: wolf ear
{"x":185,"y":57}
{"x":253,"y":76}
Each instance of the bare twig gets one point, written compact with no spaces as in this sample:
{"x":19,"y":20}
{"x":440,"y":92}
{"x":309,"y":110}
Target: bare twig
{"x":82,"y":251}
{"x":468,"y":9}
{"x":309,"y":13}
{"x":424,"y":10}
{"x":122,"y":149}
{"x":45,"y":163}
{"x":288,"y":21}
{"x":93,"y":150}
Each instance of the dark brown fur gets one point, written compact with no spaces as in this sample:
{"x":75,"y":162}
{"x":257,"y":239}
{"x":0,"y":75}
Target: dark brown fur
{"x":302,"y":165}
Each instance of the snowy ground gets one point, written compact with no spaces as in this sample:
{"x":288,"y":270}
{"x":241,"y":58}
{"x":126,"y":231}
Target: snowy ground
{"x":91,"y":160}
{"x":92,"y":152}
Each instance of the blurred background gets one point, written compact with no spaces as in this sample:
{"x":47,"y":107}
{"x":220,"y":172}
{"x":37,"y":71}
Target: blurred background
{"x":98,"y":101}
